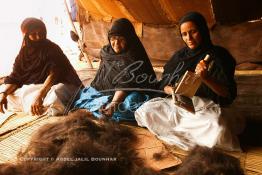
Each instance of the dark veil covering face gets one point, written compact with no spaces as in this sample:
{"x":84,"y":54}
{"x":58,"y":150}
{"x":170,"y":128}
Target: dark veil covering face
{"x":37,"y":58}
{"x":187,"y":59}
{"x":128,"y":69}
{"x":28,"y":26}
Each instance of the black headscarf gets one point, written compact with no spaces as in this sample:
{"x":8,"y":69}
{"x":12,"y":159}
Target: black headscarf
{"x":31,"y":24}
{"x":37,"y":58}
{"x":201,"y":23}
{"x":187,"y":59}
{"x":128,"y":69}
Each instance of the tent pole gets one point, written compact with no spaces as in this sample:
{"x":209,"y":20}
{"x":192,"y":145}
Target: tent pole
{"x":80,"y":42}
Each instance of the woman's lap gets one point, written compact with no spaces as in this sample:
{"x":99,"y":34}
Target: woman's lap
{"x":93,"y":100}
{"x":56,"y":102}
{"x":178,"y":127}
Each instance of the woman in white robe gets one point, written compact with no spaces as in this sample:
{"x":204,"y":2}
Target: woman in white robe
{"x":207,"y":126}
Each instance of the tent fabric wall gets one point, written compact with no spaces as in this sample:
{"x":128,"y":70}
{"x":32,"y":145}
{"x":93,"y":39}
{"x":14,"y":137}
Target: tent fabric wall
{"x":242,"y":40}
{"x":158,"y":12}
{"x":156,"y":22}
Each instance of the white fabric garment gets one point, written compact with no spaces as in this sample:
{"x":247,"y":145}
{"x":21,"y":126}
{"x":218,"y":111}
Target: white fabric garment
{"x":176,"y":126}
{"x":56,"y":101}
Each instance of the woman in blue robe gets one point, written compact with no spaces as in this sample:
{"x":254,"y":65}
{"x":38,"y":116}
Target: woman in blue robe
{"x":124,"y":77}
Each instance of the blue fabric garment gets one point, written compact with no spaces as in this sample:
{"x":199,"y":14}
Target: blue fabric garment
{"x":93,"y":100}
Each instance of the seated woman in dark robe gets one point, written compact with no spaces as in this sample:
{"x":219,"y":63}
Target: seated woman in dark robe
{"x":124,"y":71}
{"x":178,"y":126}
{"x":42,"y":80}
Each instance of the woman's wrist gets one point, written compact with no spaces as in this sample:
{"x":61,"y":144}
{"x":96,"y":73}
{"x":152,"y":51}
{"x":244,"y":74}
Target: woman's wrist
{"x":115,"y":102}
{"x":205,"y":79}
{"x":43,"y":92}
{"x":114,"y":105}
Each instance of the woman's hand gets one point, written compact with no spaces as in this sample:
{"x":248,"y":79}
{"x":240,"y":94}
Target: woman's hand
{"x":201,"y":69}
{"x":109,"y":110}
{"x":37,"y":107}
{"x":3,"y":102}
{"x":168,"y":89}
{"x":9,"y":89}
{"x":218,"y":88}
